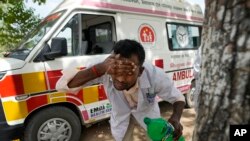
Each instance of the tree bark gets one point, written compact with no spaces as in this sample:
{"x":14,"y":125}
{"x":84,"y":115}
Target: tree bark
{"x":224,"y":99}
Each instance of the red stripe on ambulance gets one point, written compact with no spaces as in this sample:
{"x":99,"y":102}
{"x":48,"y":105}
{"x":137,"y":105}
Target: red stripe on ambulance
{"x":53,"y":77}
{"x":78,"y":96}
{"x":11,"y":85}
{"x":37,"y":101}
{"x":102,"y":94}
{"x":184,"y":88}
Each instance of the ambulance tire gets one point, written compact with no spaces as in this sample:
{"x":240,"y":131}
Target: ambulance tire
{"x":37,"y":126}
{"x":189,"y":102}
{"x":189,"y":97}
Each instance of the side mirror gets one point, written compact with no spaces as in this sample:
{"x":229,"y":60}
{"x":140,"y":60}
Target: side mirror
{"x":41,"y":57}
{"x":58,"y":48}
{"x":6,"y":54}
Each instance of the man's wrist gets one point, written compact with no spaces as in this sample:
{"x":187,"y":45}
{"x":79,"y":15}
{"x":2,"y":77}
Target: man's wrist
{"x":94,"y":70}
{"x":178,"y":107}
{"x":100,"y":69}
{"x":174,"y":117}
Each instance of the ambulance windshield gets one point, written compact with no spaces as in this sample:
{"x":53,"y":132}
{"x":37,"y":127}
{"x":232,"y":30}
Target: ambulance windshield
{"x":33,"y":38}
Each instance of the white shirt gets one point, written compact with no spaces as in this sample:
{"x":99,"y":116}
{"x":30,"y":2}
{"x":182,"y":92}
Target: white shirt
{"x":147,"y":106}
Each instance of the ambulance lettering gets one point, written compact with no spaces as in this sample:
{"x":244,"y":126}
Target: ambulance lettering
{"x":97,"y":111}
{"x":184,"y":74}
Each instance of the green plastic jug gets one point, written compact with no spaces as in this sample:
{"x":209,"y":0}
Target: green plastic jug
{"x":159,"y":129}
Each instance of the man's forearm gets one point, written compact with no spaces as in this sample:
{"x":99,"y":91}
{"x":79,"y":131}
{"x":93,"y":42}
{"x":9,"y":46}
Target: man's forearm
{"x":112,"y":65}
{"x":86,"y":75}
{"x":178,"y":107}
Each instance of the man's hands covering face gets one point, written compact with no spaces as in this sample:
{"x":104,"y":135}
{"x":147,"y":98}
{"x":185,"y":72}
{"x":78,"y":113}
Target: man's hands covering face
{"x":116,"y":65}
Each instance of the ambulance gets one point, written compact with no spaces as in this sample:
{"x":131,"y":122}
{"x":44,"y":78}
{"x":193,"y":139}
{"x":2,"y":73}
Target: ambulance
{"x":77,"y":34}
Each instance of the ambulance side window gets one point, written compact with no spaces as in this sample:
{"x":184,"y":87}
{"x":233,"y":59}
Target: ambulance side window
{"x":98,"y":34}
{"x":71,"y":32}
{"x":183,"y":37}
{"x":89,"y":34}
{"x":101,"y":38}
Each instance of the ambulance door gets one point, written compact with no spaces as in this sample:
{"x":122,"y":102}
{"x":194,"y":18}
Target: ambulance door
{"x":89,"y":39}
{"x":183,"y":42}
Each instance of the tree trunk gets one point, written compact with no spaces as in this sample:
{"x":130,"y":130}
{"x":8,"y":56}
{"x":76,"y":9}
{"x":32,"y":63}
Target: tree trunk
{"x":225,"y":77}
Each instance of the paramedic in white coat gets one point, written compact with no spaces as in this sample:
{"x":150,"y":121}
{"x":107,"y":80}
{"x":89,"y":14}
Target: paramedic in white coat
{"x":131,"y":86}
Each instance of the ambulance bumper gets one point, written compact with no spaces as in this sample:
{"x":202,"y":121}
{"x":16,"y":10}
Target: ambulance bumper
{"x":8,"y":133}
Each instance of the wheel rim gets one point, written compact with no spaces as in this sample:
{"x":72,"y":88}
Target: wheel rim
{"x":192,"y":94}
{"x":56,"y":129}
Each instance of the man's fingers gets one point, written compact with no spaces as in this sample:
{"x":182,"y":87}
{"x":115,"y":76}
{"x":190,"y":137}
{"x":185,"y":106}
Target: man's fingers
{"x":124,"y":62}
{"x":118,"y":65}
{"x":117,"y":56}
{"x":177,"y":135}
{"x":178,"y":132}
{"x":125,"y":67}
{"x":112,"y":56}
{"x":177,"y":128}
{"x":122,"y":71}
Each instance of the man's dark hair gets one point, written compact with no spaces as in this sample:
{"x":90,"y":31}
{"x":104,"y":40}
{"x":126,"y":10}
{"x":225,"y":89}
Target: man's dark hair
{"x":126,"y":48}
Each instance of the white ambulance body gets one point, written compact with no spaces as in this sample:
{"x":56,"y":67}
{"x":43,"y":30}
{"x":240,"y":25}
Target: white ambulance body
{"x":77,"y":34}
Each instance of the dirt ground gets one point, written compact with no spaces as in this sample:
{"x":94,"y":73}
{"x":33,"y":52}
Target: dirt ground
{"x":101,"y":131}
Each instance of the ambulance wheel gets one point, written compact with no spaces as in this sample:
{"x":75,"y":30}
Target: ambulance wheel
{"x":53,"y":124}
{"x":189,"y":97}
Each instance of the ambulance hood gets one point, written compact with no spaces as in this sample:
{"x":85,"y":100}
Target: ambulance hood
{"x":10,"y":64}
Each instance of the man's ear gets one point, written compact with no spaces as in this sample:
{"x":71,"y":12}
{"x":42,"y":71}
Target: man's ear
{"x":141,"y":70}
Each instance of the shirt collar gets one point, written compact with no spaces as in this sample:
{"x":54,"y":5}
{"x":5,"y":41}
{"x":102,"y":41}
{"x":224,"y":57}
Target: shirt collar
{"x":144,"y":80}
{"x":133,"y":89}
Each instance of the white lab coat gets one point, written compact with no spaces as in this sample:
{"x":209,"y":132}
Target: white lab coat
{"x":155,"y":81}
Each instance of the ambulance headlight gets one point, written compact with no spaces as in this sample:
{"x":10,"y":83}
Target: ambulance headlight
{"x":2,"y":75}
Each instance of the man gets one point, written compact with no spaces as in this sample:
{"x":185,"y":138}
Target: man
{"x":131,"y":86}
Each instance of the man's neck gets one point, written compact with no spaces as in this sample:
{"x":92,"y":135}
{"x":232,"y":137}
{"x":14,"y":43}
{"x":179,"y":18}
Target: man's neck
{"x":134,"y":86}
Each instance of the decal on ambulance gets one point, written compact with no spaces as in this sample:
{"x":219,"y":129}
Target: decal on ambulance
{"x":100,"y":110}
{"x":147,"y":34}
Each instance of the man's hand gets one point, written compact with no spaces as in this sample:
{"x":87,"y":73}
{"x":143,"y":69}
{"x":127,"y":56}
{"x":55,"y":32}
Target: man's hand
{"x":113,"y":65}
{"x":116,"y":65}
{"x":178,"y":107}
{"x":177,"y":128}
